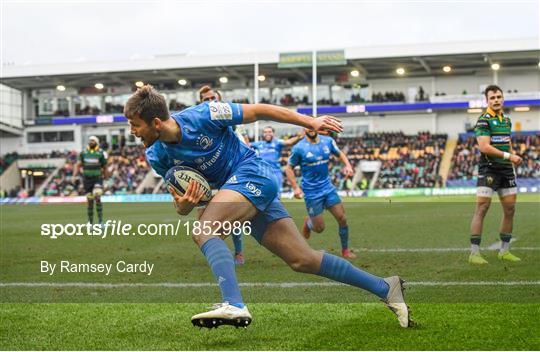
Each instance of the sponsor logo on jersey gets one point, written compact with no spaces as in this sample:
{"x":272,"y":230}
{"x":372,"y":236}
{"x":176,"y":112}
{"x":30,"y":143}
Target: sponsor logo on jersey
{"x":326,"y":149}
{"x":213,"y":159}
{"x":482,"y":123}
{"x":220,"y":111}
{"x":309,"y":155}
{"x":178,"y":162}
{"x":204,"y":142}
{"x":232,"y":180}
{"x":91,"y":160}
{"x":320,"y":162}
{"x":500,"y":139}
{"x":253,"y":189}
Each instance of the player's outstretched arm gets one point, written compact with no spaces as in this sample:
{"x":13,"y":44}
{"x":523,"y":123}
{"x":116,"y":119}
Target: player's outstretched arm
{"x":321,"y":125}
{"x":484,"y":144}
{"x":293,"y":140}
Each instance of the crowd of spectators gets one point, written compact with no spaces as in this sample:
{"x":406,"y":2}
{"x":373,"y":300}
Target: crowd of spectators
{"x":16,"y":191}
{"x":87,"y":110}
{"x":114,"y":108}
{"x":126,"y":169}
{"x":241,"y":101}
{"x":355,"y":98}
{"x":408,"y":161}
{"x":388,"y":97}
{"x":62,"y":184}
{"x":467,"y":156}
{"x":289,"y":100}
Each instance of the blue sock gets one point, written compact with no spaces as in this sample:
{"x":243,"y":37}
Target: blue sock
{"x":339,"y":269}
{"x":221,"y":262}
{"x":344,"y":236}
{"x":237,"y":240}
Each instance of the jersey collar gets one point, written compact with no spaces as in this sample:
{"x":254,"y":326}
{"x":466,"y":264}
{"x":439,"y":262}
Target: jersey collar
{"x":492,"y":113}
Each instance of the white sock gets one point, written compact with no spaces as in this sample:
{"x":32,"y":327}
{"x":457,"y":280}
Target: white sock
{"x":504,"y":247}
{"x":475,"y":249}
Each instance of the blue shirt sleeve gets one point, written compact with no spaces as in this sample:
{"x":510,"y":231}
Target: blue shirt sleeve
{"x":280,"y":144}
{"x":158,"y":164}
{"x":334,"y":147}
{"x":296,"y":156}
{"x":225,"y":114}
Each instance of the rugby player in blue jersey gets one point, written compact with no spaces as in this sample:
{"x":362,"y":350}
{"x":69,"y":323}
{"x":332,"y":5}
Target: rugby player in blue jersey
{"x":269,"y":149}
{"x":207,"y":94}
{"x":201,"y":137}
{"x":312,"y":155}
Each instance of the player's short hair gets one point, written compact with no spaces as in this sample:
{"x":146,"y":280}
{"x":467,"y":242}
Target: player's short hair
{"x":492,"y":88}
{"x":148,"y":104}
{"x":270,"y":127}
{"x":206,"y":89}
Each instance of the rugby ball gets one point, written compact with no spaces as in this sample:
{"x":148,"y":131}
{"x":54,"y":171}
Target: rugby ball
{"x":179,"y":177}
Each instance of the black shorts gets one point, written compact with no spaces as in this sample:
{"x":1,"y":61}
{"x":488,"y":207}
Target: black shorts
{"x":496,"y":176}
{"x":90,"y":182}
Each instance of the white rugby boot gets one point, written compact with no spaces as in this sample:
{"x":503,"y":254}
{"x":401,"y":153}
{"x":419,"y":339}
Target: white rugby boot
{"x":395,"y":301}
{"x":222,"y":314}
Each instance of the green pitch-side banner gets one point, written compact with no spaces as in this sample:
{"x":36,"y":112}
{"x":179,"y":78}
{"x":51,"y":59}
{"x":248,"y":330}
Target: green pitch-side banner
{"x":304,"y":58}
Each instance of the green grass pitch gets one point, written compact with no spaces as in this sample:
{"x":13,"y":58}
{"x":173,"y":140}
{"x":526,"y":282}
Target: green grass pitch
{"x":424,"y":240}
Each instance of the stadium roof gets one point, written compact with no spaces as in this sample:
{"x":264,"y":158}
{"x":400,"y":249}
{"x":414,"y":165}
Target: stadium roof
{"x":373,"y":62}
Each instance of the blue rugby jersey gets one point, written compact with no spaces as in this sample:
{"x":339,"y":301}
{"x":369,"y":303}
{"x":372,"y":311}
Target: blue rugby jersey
{"x":208,"y":142}
{"x":313,"y":161}
{"x":270,"y":151}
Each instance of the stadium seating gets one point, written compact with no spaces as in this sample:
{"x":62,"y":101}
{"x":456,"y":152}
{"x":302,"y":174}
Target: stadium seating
{"x":408,"y":161}
{"x":6,"y":160}
{"x":126,"y":169}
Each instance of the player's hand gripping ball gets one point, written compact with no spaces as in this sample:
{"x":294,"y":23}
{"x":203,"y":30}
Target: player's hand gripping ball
{"x":179,"y":177}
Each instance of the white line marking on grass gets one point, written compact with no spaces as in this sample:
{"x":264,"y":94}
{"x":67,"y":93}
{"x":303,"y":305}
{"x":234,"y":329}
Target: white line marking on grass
{"x":432,"y":250}
{"x":254,"y":284}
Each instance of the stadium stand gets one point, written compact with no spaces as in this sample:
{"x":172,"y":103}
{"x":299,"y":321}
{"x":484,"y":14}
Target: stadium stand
{"x":408,"y":161}
{"x":387,"y":97}
{"x":127,"y":167}
{"x":6,"y":160}
{"x":61,"y":184}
